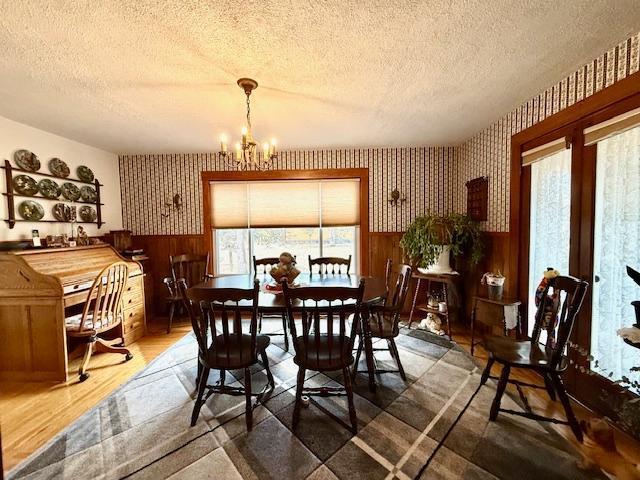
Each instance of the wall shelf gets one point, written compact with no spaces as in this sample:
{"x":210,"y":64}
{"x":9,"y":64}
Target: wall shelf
{"x":11,"y":197}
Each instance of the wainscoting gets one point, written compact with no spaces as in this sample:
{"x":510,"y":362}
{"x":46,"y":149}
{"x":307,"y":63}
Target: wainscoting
{"x":381,"y":246}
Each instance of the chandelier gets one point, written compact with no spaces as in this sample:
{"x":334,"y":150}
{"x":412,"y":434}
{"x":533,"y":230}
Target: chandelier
{"x":247,"y":155}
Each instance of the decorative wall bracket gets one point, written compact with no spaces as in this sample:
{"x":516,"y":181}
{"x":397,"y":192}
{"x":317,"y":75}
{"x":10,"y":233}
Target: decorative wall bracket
{"x":396,"y":198}
{"x":172,"y":204}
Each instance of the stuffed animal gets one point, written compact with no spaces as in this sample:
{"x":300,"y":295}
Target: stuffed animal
{"x":550,"y":314}
{"x":432,"y":323}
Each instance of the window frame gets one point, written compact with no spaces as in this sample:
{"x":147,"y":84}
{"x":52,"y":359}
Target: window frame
{"x":362,"y":174}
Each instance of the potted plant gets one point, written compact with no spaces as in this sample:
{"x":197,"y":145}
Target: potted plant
{"x":430,"y":240}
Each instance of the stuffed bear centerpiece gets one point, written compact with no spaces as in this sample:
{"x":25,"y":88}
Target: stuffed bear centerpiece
{"x":286,"y":268}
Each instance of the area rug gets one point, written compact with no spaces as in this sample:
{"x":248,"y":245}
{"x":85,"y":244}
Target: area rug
{"x":433,"y":426}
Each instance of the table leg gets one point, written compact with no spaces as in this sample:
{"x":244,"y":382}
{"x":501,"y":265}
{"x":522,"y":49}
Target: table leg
{"x":415,"y":302}
{"x":446,"y":302}
{"x":473,"y":324}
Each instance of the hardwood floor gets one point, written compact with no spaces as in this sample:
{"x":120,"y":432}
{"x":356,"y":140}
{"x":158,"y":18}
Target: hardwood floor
{"x":32,"y":413}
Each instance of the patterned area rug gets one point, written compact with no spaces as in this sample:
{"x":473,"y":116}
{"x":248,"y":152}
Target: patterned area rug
{"x":433,"y":426}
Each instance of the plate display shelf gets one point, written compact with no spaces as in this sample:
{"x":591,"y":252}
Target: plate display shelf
{"x":9,"y":171}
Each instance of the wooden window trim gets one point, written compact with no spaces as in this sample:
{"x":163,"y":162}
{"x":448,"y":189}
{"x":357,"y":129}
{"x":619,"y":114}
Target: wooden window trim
{"x":322,"y":174}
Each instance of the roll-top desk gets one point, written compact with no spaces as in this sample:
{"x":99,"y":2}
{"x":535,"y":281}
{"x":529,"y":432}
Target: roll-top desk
{"x":36,"y":288}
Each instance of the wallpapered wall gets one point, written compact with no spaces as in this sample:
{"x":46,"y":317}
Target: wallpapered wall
{"x":488,"y":152}
{"x":432,"y":178}
{"x":423,"y":174}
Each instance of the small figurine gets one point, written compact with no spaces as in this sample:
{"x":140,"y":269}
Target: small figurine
{"x":82,"y":239}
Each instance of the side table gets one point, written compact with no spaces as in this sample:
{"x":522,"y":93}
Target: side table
{"x":503,"y":303}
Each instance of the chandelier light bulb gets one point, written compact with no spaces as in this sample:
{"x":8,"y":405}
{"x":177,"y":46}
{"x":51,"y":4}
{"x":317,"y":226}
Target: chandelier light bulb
{"x":223,"y":143}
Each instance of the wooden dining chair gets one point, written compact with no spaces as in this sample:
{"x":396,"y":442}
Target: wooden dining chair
{"x":193,"y":268}
{"x":556,"y":315}
{"x":325,"y":339}
{"x":331,"y":265}
{"x":102,"y":313}
{"x":226,"y":341}
{"x":262,"y":266}
{"x":383,"y":322}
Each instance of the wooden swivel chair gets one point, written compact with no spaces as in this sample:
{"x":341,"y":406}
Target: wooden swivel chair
{"x":225,"y":342}
{"x":262,"y":266}
{"x":325,"y":340}
{"x":383,"y":323}
{"x":548,"y":359}
{"x":331,"y":265}
{"x":193,"y":268}
{"x":102,"y":312}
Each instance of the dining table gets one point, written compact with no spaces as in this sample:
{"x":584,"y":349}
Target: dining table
{"x":269,"y":301}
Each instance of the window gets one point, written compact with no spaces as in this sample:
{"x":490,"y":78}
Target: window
{"x":304,"y":217}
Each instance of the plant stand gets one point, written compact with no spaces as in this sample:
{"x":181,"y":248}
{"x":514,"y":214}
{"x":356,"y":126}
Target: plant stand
{"x":447,"y":282}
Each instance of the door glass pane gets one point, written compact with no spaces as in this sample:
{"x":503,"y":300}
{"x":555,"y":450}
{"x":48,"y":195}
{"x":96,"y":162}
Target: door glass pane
{"x":550,"y":222}
{"x":616,"y":245}
{"x":232,"y":251}
{"x":340,"y":242}
{"x":299,"y":242}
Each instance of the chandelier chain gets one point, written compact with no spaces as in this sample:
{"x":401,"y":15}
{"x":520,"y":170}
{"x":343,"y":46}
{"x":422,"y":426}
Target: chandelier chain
{"x":248,"y":113}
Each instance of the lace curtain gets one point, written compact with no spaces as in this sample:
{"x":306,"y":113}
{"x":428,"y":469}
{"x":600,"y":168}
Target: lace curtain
{"x":616,"y":245}
{"x":550,"y":223}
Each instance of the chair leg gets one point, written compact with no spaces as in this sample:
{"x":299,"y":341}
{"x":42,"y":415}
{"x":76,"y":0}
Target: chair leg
{"x":259,"y":322}
{"x":102,"y":346}
{"x":548,"y":383}
{"x":172,"y":309}
{"x":396,"y":354}
{"x":247,"y":393}
{"x":284,"y":329}
{"x":571,"y":418}
{"x":487,"y":371}
{"x":85,"y":361}
{"x":265,"y":362}
{"x":358,"y":353}
{"x":371,"y":367}
{"x":502,"y":384}
{"x":298,"y":402}
{"x":352,"y":409}
{"x":202,"y":383}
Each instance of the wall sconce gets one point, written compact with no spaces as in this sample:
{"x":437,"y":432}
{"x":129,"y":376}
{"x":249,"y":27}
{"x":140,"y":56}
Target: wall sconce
{"x":172,"y":203}
{"x":395,"y":198}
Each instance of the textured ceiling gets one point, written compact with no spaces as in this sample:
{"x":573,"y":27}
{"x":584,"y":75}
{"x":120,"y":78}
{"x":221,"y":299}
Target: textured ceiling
{"x":160,"y":76}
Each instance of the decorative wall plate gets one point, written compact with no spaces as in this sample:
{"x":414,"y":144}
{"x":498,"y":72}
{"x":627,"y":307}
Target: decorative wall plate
{"x":25,"y":185}
{"x":88,"y":194}
{"x":61,"y":212}
{"x":30,"y":210}
{"x":59,"y":168}
{"x":27,"y":160}
{"x":49,"y":188}
{"x":88,"y":214}
{"x":70,"y":191}
{"x":85,"y":174}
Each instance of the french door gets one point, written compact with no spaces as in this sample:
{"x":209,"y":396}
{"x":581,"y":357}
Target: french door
{"x":580,"y":202}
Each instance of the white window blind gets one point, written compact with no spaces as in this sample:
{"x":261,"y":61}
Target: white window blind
{"x":543,"y":151}
{"x":612,"y":127}
{"x":285,"y":203}
{"x":340,"y":203}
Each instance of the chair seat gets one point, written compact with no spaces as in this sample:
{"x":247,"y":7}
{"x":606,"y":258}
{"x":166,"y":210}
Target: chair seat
{"x":235,"y":353}
{"x":73,"y":322}
{"x":521,"y":354}
{"x":323,"y":352}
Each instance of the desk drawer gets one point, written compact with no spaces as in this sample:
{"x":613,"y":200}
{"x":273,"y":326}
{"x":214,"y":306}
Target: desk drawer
{"x":133,"y":293}
{"x":133,"y":318}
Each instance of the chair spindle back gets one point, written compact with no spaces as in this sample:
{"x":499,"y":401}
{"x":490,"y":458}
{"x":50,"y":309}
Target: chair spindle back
{"x":331,"y":265}
{"x":104,"y":302}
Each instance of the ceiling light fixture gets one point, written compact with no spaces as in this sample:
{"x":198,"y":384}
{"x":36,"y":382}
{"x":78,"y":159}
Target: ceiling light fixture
{"x":246,"y":153}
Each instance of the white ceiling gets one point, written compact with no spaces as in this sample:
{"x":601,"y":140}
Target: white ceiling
{"x":149,"y":76}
